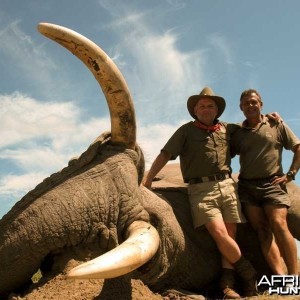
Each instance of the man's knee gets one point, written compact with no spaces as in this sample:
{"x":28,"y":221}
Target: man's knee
{"x":277,"y":219}
{"x":218,"y":235}
{"x":279,"y":226}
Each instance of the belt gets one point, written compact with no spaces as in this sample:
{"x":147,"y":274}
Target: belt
{"x":266,"y":179}
{"x":216,"y":177}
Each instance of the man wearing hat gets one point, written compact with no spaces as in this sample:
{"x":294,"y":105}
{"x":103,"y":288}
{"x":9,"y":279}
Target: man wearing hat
{"x":204,"y":151}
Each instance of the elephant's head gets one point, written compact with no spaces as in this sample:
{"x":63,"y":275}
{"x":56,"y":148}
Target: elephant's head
{"x":97,"y":211}
{"x":97,"y":203}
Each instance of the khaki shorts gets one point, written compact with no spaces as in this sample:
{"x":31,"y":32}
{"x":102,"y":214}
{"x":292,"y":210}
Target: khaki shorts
{"x":216,"y":199}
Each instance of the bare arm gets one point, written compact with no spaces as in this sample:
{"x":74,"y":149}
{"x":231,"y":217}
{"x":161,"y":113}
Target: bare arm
{"x":160,"y":161}
{"x":294,"y":167}
{"x":296,"y":159}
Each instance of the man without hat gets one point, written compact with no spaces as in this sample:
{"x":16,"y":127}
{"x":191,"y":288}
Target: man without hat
{"x":204,"y":151}
{"x":260,"y":142}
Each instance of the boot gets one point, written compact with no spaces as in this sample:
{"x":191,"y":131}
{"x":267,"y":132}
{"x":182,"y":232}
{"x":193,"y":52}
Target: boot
{"x":227,"y":284}
{"x":245,"y":270}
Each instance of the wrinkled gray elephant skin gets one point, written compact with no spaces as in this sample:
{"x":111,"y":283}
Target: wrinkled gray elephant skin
{"x":85,"y":209}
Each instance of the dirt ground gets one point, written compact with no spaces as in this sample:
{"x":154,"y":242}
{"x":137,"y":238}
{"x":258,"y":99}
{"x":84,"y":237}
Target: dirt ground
{"x":121,"y":288}
{"x":60,"y":288}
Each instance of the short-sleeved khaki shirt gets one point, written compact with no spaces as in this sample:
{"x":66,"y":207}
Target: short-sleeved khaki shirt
{"x":260,"y":148}
{"x":201,"y":153}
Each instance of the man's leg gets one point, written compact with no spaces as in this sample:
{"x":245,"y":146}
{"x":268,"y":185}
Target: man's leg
{"x":232,"y":253}
{"x":258,"y":220}
{"x":227,"y":280}
{"x":277,"y":218}
{"x":231,"y":230}
{"x":225,"y":243}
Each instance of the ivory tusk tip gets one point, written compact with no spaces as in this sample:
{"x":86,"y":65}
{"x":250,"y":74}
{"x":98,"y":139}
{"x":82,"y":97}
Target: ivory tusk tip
{"x":75,"y":273}
{"x":41,"y":26}
{"x":72,"y":274}
{"x":44,"y":27}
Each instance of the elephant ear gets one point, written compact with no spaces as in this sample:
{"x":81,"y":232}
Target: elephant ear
{"x":76,"y":163}
{"x":112,"y":82}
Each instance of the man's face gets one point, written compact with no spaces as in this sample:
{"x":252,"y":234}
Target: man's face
{"x":251,"y":105}
{"x":206,"y":111}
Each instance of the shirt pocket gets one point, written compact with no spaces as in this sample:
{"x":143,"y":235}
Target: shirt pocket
{"x":200,"y":144}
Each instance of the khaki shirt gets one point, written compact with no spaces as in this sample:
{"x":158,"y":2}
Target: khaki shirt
{"x":201,"y":153}
{"x":260,"y":149}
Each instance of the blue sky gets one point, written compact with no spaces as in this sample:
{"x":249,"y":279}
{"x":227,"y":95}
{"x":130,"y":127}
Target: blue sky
{"x":51,"y":107}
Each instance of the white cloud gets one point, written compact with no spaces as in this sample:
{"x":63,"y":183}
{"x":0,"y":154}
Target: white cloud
{"x":16,"y":185}
{"x":156,"y":56}
{"x":24,"y":118}
{"x":221,"y":44}
{"x":152,"y":138}
{"x":21,"y":49}
{"x":132,"y":18}
{"x":33,"y":64}
{"x":31,"y":159}
{"x":40,"y":138}
{"x":161,"y":60}
{"x":248,"y":64}
{"x":177,"y":4}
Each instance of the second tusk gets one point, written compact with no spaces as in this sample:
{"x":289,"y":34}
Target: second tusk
{"x":141,"y":245}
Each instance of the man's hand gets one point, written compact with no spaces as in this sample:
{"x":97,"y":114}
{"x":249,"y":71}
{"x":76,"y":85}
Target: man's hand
{"x":275,"y":117}
{"x":159,"y":162}
{"x":147,"y":183}
{"x":281,"y":180}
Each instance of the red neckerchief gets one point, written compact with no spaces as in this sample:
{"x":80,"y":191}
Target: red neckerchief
{"x":212,"y":128}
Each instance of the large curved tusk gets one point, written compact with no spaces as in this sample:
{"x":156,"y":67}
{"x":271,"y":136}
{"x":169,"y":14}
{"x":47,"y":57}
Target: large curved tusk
{"x":113,"y":84}
{"x":140,"y":247}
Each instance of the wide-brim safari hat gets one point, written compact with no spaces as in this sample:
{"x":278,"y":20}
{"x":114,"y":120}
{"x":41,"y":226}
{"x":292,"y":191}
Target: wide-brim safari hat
{"x":207,"y":92}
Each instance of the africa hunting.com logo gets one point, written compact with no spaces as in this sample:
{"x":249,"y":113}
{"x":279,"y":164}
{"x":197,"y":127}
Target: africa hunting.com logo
{"x":280,"y":284}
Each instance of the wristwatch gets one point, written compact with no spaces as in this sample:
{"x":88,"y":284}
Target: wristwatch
{"x":291,"y":174}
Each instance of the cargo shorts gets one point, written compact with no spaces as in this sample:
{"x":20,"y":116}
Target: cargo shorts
{"x":215,"y":199}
